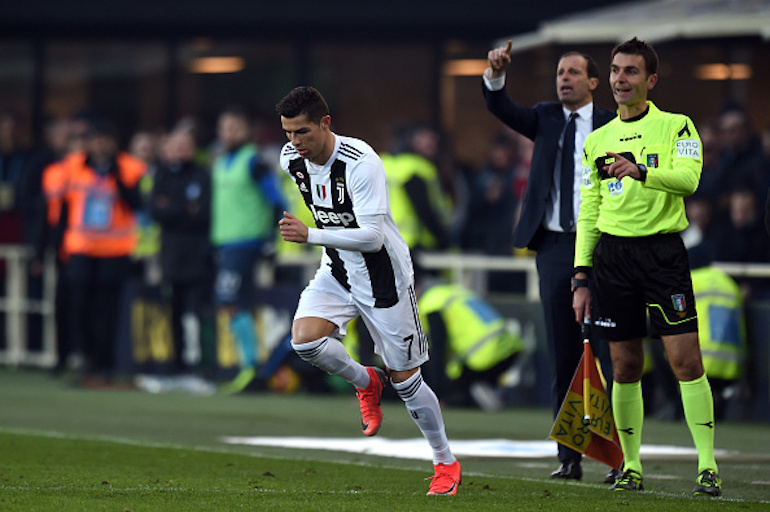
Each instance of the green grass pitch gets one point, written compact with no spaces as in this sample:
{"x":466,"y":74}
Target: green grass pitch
{"x":64,"y":448}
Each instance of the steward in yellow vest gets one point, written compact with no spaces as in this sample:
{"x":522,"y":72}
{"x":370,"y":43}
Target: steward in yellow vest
{"x":420,"y":208}
{"x":721,"y":326}
{"x":468,"y":338}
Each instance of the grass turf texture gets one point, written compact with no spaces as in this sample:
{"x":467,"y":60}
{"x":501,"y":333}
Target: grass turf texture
{"x":63,"y":448}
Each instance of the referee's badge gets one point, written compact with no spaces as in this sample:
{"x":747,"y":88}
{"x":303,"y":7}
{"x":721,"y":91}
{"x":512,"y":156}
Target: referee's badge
{"x":652,"y":160}
{"x":586,"y":177}
{"x":615,"y":187}
{"x":679,"y":303}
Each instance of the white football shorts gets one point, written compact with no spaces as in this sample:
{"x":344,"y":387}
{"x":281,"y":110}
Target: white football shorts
{"x":396,"y":331}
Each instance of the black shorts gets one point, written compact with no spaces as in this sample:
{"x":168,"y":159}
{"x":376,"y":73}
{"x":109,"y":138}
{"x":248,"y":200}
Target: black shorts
{"x":632,"y":276}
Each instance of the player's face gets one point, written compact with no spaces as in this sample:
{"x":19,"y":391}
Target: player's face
{"x":311,"y":140}
{"x":573,"y":86}
{"x":629,"y":80}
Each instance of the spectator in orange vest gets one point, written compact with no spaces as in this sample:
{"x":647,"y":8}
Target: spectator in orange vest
{"x":94,"y":193}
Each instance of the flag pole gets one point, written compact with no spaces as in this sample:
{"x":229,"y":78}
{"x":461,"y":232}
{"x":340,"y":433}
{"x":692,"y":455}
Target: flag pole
{"x":586,"y":331}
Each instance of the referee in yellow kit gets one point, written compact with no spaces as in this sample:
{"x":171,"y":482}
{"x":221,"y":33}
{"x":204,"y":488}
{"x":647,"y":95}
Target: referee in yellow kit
{"x":637,"y":169}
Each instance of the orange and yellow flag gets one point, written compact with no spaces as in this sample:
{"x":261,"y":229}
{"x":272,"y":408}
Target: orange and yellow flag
{"x":585,"y":421}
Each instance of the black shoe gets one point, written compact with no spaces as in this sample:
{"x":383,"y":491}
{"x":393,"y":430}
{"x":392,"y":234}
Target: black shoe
{"x":569,"y":471}
{"x":630,"y":480}
{"x":708,"y":484}
{"x":612,"y":475}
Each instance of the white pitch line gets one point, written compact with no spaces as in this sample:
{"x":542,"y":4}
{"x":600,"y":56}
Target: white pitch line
{"x":417,"y":448}
{"x":206,"y":449}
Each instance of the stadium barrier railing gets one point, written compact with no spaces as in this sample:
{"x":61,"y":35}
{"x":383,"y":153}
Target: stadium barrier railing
{"x":467,"y":269}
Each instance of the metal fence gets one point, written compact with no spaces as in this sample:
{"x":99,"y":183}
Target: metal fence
{"x":16,"y":306}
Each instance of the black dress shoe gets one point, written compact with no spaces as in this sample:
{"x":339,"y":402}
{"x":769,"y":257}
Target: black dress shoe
{"x":569,"y":471}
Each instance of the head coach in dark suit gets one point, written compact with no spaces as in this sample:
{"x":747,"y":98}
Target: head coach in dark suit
{"x":551,"y":201}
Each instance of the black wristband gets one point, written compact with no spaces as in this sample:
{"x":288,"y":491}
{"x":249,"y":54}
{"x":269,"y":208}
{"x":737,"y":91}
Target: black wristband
{"x":642,"y":172}
{"x":585,"y":270}
{"x":579,"y":283}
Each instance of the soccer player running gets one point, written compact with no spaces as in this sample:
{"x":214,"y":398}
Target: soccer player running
{"x":366,"y":271}
{"x":637,"y":169}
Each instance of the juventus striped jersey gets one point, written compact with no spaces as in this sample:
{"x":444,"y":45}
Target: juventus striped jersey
{"x":342,"y":194}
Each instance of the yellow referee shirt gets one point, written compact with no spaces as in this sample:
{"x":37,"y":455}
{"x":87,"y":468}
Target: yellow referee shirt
{"x":669,"y":146}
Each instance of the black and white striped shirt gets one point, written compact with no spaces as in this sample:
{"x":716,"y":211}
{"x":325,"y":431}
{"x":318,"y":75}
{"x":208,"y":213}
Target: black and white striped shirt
{"x":349,"y":192}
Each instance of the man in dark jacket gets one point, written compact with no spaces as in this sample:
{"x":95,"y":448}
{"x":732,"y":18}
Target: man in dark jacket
{"x":549,"y":211}
{"x":181,"y":204}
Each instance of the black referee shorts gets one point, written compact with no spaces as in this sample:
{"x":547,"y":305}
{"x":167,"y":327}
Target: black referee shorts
{"x":632,"y":276}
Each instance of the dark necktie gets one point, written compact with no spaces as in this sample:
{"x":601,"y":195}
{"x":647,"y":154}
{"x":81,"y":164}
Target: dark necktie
{"x":567,"y":174}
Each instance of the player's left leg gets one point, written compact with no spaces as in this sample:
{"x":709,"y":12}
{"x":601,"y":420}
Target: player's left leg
{"x":684,"y":354}
{"x":425,"y":410}
{"x":400,"y":340}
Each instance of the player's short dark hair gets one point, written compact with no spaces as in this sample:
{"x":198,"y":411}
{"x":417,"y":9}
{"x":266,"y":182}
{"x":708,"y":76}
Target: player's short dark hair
{"x":591,"y":67}
{"x":636,"y":47}
{"x":303,"y":100}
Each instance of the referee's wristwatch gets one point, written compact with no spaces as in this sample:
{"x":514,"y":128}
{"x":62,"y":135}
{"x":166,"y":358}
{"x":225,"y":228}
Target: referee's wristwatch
{"x":579,"y":283}
{"x":642,"y":172}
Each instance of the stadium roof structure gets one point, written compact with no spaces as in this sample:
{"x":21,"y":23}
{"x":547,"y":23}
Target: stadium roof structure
{"x":653,"y":21}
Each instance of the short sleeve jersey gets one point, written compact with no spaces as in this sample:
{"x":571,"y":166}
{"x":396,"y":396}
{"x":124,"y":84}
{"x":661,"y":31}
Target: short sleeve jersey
{"x":669,"y":146}
{"x":351,"y":184}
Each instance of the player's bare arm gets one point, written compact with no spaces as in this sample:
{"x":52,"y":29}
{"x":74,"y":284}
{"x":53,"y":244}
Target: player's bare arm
{"x":293,"y":229}
{"x":499,"y":59}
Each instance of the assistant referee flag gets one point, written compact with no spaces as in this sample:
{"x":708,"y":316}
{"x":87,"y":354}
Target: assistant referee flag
{"x":587,"y":425}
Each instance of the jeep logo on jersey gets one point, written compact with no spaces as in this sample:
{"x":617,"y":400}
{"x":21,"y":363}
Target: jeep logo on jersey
{"x":331,"y":218}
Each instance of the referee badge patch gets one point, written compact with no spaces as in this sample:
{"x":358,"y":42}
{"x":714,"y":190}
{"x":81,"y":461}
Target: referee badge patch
{"x":689,"y":148}
{"x":586,"y":177}
{"x":652,"y":160}
{"x":679,"y":302}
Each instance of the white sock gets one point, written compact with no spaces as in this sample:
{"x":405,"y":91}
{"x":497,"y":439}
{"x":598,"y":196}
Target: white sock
{"x":423,"y":407}
{"x":329,"y":355}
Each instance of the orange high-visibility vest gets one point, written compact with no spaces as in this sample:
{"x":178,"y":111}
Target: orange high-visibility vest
{"x":99,"y":224}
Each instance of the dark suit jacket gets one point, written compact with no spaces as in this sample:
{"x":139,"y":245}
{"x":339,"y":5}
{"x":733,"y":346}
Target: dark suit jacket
{"x":543,"y":124}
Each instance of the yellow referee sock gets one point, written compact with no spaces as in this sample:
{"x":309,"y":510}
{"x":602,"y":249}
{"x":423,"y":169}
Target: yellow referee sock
{"x":698,"y":404}
{"x":628,"y":408}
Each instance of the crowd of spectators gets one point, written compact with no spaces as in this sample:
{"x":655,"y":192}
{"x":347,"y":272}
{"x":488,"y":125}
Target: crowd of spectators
{"x":460,"y":207}
{"x":726,"y":212}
